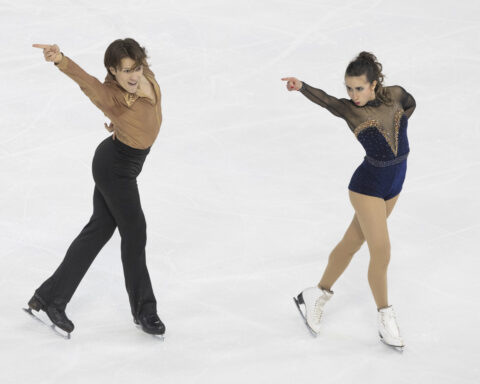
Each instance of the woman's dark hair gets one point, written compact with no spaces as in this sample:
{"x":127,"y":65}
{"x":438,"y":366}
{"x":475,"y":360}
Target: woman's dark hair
{"x":122,"y":48}
{"x":366,"y":64}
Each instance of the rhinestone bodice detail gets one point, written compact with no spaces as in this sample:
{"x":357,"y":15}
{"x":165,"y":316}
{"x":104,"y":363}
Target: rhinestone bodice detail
{"x":383,"y":144}
{"x":380,"y":125}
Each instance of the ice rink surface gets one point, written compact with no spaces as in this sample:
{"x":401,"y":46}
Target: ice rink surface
{"x":244,"y":191}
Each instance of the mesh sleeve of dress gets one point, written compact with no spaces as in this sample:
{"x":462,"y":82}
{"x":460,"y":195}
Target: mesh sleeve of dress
{"x":338,"y":107}
{"x":405,"y":99}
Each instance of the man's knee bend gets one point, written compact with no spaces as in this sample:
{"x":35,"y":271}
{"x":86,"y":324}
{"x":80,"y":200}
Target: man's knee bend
{"x":108,"y":225}
{"x":133,"y":227}
{"x":107,"y":232}
{"x":104,"y":226}
{"x":134,"y":235}
{"x":134,"y":240}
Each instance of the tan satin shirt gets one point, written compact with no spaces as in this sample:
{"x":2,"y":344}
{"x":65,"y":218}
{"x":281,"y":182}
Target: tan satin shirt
{"x":136,"y":120}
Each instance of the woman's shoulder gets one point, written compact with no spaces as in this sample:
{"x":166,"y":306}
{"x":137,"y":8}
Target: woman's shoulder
{"x":395,"y":92}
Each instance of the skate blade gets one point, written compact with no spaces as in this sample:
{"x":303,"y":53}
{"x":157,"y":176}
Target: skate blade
{"x":312,"y":332}
{"x":52,"y":326}
{"x":159,"y":337}
{"x":395,"y":347}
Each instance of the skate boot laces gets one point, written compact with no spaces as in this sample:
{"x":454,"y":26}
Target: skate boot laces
{"x":389,"y":322}
{"x":318,"y":309}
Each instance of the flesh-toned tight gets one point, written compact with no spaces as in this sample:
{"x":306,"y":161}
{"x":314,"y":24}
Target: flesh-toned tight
{"x":369,"y":223}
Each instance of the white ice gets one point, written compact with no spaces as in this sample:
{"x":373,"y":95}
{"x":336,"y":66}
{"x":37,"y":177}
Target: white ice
{"x":245,"y":192}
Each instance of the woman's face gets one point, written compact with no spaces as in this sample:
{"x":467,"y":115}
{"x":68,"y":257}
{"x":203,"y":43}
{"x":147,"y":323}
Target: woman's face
{"x":128,"y":75}
{"x":360,"y":90}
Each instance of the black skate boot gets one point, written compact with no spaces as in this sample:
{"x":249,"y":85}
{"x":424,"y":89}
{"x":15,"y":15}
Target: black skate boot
{"x":150,"y":323}
{"x":56,"y":314}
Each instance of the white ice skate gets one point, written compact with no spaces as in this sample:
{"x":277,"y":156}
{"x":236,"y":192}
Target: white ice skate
{"x":312,"y":300}
{"x":388,"y":329}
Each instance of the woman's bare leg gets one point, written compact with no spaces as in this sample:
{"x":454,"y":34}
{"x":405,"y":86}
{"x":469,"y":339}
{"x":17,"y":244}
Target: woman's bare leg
{"x":372,"y":217}
{"x":342,"y":254}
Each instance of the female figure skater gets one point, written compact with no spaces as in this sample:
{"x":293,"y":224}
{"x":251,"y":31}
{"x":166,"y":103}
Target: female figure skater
{"x":378,"y":116}
{"x":130,"y":97}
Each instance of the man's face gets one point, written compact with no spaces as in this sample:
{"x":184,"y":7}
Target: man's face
{"x":128,"y":75}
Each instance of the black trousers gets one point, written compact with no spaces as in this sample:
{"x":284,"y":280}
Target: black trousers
{"x":116,"y":203}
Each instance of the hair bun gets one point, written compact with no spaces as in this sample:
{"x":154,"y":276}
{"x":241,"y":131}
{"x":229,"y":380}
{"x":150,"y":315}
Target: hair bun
{"x":366,"y":64}
{"x":367,"y":56}
{"x":370,"y":57}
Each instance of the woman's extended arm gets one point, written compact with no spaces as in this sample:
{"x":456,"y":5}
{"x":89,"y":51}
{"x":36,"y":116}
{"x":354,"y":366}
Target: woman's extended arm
{"x":338,"y":107}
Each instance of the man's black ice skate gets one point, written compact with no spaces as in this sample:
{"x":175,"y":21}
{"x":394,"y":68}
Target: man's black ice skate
{"x":150,"y":323}
{"x":56,"y":315}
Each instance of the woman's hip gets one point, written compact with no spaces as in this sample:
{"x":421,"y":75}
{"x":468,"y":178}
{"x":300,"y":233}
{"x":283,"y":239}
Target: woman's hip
{"x":383,"y":182}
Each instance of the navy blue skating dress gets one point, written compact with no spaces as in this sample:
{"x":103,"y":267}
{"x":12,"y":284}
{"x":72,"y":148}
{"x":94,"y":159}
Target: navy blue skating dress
{"x":381,"y":128}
